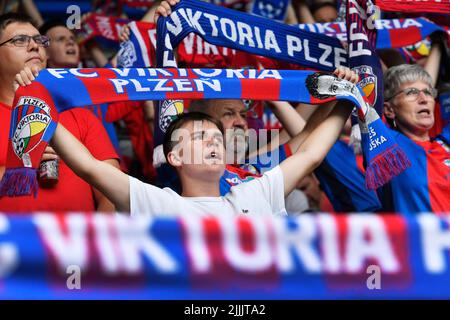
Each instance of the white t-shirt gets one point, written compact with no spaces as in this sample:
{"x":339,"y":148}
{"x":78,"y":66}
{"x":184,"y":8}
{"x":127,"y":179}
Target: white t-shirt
{"x":296,"y":203}
{"x":261,"y":196}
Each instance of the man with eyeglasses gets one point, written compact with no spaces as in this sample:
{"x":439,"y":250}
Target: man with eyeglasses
{"x":23,"y":52}
{"x":409,"y":109}
{"x":21,"y":45}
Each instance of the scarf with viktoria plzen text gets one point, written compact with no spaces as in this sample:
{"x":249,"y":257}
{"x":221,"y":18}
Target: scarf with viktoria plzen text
{"x":420,"y":6}
{"x":240,"y":31}
{"x":391,"y":33}
{"x":194,"y":51}
{"x":36,"y":107}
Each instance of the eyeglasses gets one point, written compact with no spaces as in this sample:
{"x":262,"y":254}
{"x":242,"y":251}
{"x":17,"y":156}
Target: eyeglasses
{"x":412,"y":94}
{"x":23,"y":40}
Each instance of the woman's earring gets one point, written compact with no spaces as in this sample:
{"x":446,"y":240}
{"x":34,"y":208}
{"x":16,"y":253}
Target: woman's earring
{"x":394,"y":124}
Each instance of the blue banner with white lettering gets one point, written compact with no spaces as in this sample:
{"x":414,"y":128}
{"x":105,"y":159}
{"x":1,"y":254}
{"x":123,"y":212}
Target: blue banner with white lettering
{"x":324,"y":256}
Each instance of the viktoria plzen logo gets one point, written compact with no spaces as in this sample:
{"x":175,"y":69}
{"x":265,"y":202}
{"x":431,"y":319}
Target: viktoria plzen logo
{"x":168,"y":112}
{"x":32,"y":118}
{"x":368,"y":83}
{"x":127,"y":54}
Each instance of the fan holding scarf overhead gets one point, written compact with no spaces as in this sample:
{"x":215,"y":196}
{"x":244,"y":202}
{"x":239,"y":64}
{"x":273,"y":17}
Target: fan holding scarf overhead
{"x":240,"y":31}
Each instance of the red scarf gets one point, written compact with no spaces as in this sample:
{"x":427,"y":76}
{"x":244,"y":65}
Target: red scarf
{"x":436,"y":6}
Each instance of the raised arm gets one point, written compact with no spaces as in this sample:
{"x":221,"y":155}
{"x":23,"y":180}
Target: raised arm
{"x":434,"y":60}
{"x":112,"y":182}
{"x":304,"y":14}
{"x":291,"y":17}
{"x":315,"y":147}
{"x":291,"y":120}
{"x":150,"y":14}
{"x":297,"y":126}
{"x":30,"y":8}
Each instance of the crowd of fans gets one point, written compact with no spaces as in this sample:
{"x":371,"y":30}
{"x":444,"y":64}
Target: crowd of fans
{"x":311,"y":173}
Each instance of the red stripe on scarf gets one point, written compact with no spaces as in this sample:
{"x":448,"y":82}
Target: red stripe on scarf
{"x":183,"y":95}
{"x":400,"y":39}
{"x":98,"y":85}
{"x":270,"y":90}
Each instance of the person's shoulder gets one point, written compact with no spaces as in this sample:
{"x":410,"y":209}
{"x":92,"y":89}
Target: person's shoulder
{"x":274,"y":171}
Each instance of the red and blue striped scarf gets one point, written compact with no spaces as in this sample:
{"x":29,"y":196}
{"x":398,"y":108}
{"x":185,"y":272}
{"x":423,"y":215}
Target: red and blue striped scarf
{"x":392,"y":33}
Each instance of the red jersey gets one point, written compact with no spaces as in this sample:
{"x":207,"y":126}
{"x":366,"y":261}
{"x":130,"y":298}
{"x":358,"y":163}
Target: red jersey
{"x":71,"y":193}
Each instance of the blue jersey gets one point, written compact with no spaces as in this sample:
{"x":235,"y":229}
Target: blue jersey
{"x":344,"y":183}
{"x":425,"y":186}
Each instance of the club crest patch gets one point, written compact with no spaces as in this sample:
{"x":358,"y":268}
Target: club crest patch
{"x":32,"y":118}
{"x":127,"y":54}
{"x":368,"y":83}
{"x":169,"y":111}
